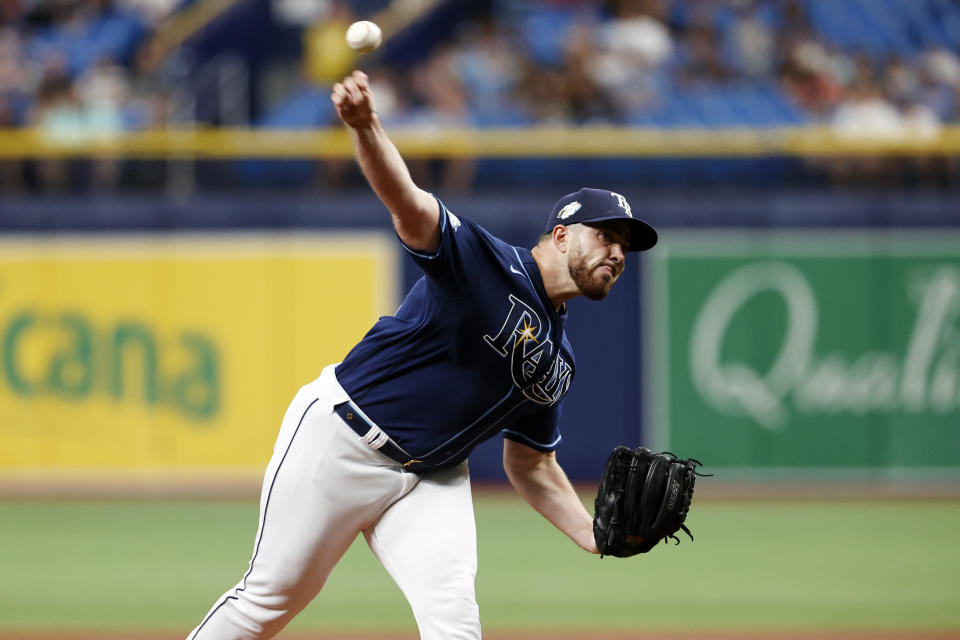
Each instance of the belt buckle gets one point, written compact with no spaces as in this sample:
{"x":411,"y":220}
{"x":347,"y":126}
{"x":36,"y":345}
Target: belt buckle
{"x":416,"y":466}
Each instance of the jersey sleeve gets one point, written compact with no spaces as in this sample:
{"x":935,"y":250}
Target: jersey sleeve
{"x":540,"y":431}
{"x":459,"y":254}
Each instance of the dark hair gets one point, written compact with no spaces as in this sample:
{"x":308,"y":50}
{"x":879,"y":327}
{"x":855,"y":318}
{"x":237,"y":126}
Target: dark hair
{"x":543,"y":237}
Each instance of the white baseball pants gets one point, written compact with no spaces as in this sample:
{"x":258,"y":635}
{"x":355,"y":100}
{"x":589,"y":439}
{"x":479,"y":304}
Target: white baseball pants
{"x":322,"y":487}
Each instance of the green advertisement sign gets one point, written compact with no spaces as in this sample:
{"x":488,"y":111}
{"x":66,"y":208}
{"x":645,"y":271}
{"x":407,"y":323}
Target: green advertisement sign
{"x":806,"y":351}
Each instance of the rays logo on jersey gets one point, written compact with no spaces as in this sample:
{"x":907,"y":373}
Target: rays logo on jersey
{"x":530,"y":352}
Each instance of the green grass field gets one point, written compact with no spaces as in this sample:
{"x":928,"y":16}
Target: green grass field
{"x":159,"y":565}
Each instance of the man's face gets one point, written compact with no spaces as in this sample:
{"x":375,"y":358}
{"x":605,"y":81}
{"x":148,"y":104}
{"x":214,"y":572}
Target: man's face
{"x":596,"y":257}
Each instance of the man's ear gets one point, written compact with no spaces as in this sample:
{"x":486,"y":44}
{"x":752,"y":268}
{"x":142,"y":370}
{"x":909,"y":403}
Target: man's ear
{"x":561,"y":238}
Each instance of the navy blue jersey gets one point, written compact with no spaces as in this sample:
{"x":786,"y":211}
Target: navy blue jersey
{"x":475,"y":348}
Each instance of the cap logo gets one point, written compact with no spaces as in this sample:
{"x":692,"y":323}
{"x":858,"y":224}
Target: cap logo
{"x":569,"y":210}
{"x":623,"y":203}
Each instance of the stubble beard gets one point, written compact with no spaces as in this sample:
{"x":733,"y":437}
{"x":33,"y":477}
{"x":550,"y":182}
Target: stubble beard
{"x":593,"y":287}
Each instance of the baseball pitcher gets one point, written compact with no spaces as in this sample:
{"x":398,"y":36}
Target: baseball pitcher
{"x":378,"y":443}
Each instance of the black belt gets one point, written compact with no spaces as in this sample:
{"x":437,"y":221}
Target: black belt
{"x":361,"y":426}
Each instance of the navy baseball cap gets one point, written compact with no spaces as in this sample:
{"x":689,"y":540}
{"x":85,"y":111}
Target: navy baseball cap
{"x":590,"y":206}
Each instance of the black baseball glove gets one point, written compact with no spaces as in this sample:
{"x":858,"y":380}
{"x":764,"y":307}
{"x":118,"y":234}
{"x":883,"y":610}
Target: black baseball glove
{"x":643,"y":498}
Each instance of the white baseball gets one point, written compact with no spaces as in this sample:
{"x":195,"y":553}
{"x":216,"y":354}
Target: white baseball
{"x":364,"y":36}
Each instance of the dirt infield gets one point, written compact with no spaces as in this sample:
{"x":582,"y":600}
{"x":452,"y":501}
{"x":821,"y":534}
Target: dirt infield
{"x":727,"y":634}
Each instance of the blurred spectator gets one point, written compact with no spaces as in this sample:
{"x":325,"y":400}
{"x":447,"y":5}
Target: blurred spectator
{"x":866,"y":114}
{"x":443,"y":99}
{"x":939,"y":80}
{"x":795,"y":24}
{"x":326,"y":56}
{"x":392,"y":101}
{"x":489,"y":63}
{"x":58,"y":115}
{"x":634,"y":47}
{"x":556,"y":61}
{"x":444,"y":106}
{"x":901,"y":81}
{"x":539,"y":94}
{"x":15,"y":92}
{"x":700,"y":57}
{"x":11,"y":171}
{"x":103,"y":91}
{"x":808,"y":78}
{"x":920,"y":122}
{"x":77,"y":68}
{"x":751,"y":40}
{"x":637,"y":33}
{"x":586,"y":101}
{"x":16,"y":81}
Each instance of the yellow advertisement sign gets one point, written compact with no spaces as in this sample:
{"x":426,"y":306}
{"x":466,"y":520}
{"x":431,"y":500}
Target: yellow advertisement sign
{"x":173,"y":352}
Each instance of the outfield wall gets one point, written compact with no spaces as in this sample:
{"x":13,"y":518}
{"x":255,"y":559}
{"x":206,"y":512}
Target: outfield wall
{"x":807,"y":352}
{"x":162,"y":354}
{"x":814,"y":337}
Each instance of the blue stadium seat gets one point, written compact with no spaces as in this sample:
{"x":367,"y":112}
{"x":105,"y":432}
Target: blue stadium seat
{"x":749,"y":108}
{"x":544,"y":29}
{"x":892,"y":28}
{"x":309,"y":107}
{"x":679,"y":111}
{"x":884,"y":27}
{"x":116,"y":36}
{"x":505,"y":116}
{"x":715,"y":109}
{"x":950,"y":24}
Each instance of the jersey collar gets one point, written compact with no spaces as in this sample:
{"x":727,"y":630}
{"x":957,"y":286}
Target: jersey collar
{"x":533,"y":270}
